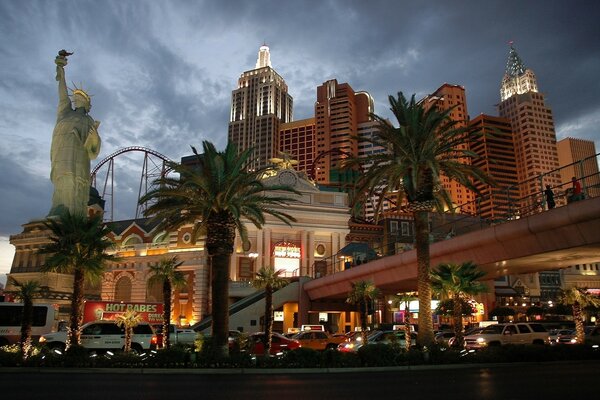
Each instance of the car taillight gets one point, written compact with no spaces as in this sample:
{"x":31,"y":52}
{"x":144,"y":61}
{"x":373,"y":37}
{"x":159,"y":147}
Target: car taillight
{"x":154,"y":340}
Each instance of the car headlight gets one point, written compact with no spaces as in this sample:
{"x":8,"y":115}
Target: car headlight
{"x":480,"y":340}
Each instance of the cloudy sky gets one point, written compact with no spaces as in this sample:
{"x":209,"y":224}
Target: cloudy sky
{"x":162,"y":72}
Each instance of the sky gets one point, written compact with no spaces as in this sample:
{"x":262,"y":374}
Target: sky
{"x":161,"y":72}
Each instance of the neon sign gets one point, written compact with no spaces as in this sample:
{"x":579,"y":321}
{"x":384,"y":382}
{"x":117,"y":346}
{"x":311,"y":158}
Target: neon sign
{"x":286,"y":250}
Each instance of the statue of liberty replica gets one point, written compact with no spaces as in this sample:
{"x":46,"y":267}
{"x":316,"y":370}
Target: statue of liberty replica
{"x":75,"y":141}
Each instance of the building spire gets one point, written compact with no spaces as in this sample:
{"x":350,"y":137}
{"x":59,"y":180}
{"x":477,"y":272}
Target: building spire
{"x":514,"y":65}
{"x":264,"y":57}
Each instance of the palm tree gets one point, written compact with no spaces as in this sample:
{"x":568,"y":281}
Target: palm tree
{"x":269,"y":280}
{"x":457,"y":282}
{"x":26,"y":291}
{"x":426,"y":145}
{"x":578,"y":299}
{"x":214,"y":196}
{"x":165,"y":272}
{"x":404,"y":299}
{"x":129,"y":320}
{"x":78,"y":246}
{"x":362,"y":294}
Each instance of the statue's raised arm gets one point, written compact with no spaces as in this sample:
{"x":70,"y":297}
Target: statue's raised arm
{"x":75,"y":141}
{"x":64,"y":102}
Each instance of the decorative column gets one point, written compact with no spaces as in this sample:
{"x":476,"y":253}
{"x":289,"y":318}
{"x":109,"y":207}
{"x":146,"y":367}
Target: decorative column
{"x":266,"y":251}
{"x":304,"y":252}
{"x":311,"y":254}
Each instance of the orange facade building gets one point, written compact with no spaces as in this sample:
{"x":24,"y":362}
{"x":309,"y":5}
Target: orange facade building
{"x":581,"y":153}
{"x":444,"y":98}
{"x":338,"y":111}
{"x":495,"y":149}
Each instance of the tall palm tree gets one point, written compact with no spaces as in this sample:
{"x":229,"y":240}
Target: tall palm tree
{"x":26,"y":291}
{"x":457,"y":282}
{"x":578,"y":299}
{"x":129,"y":320}
{"x":404,"y":299}
{"x":78,"y":246}
{"x":269,"y":280}
{"x":214,"y":196}
{"x":165,"y":273}
{"x":362,"y":294}
{"x":426,"y":145}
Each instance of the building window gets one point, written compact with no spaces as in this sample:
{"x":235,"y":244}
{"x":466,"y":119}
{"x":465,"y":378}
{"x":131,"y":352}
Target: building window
{"x":405,"y":228}
{"x":123,"y":289}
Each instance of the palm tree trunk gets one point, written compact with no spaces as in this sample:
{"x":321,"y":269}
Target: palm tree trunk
{"x":425,"y":337}
{"x":407,"y":335}
{"x":268,"y":318}
{"x":26,"y":327}
{"x":128,"y":338}
{"x":76,"y":308}
{"x":363,"y":319}
{"x":457,"y":315}
{"x":167,"y":314}
{"x":220,"y":302}
{"x":579,"y":327}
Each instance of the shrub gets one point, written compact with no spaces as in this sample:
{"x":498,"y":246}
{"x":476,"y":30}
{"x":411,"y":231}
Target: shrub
{"x":336,"y":359}
{"x":377,"y":355}
{"x":302,"y":358}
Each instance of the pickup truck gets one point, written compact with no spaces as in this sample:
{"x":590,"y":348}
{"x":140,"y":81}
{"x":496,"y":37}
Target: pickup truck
{"x":184,"y":336}
{"x":318,"y":340}
{"x":502,"y":334}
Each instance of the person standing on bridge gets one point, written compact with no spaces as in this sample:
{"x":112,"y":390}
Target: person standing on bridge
{"x":577,"y":193}
{"x":549,"y":197}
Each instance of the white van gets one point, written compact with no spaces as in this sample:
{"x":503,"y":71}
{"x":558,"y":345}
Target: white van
{"x":11,"y":314}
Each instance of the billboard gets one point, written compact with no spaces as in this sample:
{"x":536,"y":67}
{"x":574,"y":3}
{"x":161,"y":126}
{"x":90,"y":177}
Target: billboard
{"x":107,"y":310}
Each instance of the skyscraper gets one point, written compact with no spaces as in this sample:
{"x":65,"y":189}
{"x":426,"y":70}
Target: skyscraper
{"x":496,"y":157}
{"x":258,"y":106}
{"x":338,"y":111}
{"x":533,"y":128}
{"x":444,"y":98}
{"x":581,"y":152}
{"x":298,"y":140}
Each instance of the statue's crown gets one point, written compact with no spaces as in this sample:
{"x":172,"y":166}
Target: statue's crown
{"x":79,"y":90}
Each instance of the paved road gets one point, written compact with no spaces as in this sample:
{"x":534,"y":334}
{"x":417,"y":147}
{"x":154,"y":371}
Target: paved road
{"x":507,"y":382}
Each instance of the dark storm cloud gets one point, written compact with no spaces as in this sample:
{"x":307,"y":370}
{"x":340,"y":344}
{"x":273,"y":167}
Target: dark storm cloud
{"x":162,"y":72}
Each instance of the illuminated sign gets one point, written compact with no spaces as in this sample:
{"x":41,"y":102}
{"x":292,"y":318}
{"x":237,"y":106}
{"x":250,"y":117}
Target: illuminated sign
{"x":107,"y":310}
{"x":286,"y":250}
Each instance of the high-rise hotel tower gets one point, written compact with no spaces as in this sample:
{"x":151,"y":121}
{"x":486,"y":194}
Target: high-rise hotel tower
{"x":258,"y":106}
{"x":533,"y":127}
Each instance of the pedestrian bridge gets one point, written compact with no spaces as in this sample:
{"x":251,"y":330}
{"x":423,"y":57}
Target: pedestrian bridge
{"x":550,"y":240}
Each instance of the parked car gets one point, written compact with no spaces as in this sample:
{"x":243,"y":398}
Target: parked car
{"x":279,"y":343}
{"x":318,"y":340}
{"x":502,"y":334}
{"x":443,"y":337}
{"x":385,"y":337}
{"x":184,"y":336}
{"x":472,"y":331}
{"x":592,"y":336}
{"x":103,"y":336}
{"x":556,"y":334}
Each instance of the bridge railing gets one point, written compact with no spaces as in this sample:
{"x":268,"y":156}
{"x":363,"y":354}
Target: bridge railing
{"x":507,"y":205}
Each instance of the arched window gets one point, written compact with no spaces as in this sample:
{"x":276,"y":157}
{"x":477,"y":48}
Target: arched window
{"x":123,"y":289}
{"x":132,"y":240}
{"x":154,"y":293}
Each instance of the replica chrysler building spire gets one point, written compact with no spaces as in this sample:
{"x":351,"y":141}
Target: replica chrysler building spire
{"x":517,"y":79}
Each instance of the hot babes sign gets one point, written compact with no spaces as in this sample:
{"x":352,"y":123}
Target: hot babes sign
{"x":97,"y":310}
